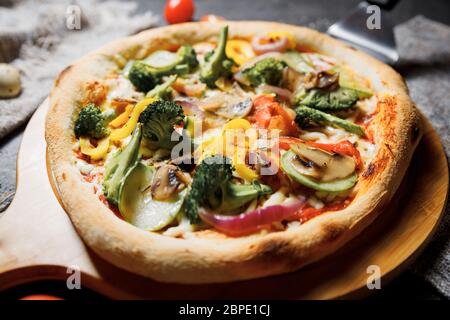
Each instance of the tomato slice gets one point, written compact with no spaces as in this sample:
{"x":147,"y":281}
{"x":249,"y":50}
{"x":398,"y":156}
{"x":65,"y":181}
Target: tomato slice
{"x":178,"y":11}
{"x":307,"y":213}
{"x":344,"y":147}
{"x":269,"y":114}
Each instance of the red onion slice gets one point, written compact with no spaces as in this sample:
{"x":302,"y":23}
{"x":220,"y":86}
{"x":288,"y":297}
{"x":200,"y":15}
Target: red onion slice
{"x":284,"y":93}
{"x":250,"y":222}
{"x":263,"y":44}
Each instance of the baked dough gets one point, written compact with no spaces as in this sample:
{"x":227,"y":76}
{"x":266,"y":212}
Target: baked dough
{"x":222,"y":259}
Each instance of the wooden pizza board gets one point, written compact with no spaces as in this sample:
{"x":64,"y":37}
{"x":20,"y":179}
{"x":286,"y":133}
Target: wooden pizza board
{"x":38,"y":241}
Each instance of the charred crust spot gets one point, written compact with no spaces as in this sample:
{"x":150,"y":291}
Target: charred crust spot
{"x":63,"y":176}
{"x":62,"y":74}
{"x":388,"y":147}
{"x":415,"y":134}
{"x":332,"y":232}
{"x":369,"y":171}
{"x":272,"y":250}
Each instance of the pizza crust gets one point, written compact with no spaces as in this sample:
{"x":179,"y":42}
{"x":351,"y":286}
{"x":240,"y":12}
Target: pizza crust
{"x":223,"y":259}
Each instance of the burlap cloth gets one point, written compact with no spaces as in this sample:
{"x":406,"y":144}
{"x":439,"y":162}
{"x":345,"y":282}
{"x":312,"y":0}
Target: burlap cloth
{"x":41,"y":38}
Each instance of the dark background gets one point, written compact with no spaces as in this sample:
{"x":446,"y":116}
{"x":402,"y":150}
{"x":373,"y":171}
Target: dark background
{"x":318,"y":14}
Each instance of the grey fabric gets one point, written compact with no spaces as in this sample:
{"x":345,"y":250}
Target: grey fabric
{"x":34,"y":36}
{"x":424,"y":47}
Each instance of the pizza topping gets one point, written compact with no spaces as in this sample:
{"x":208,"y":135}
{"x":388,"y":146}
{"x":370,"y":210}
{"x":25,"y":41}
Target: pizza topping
{"x":205,"y":98}
{"x":253,"y":221}
{"x":321,"y":178}
{"x":240,"y":51}
{"x":322,"y":164}
{"x":165,"y":182}
{"x":217,"y":64}
{"x":145,"y":77}
{"x":164,"y":90}
{"x":158,"y":122}
{"x":268,"y":71}
{"x":119,"y":165}
{"x":97,"y":151}
{"x":307,"y":117}
{"x":338,"y":99}
{"x":126,"y":130}
{"x":348,"y":79}
{"x":92,"y":122}
{"x":229,"y":105}
{"x":190,"y":87}
{"x":264,"y":44}
{"x":139,"y":207}
{"x":298,"y":61}
{"x":212,"y":187}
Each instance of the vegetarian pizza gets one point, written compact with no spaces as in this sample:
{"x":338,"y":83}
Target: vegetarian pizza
{"x":214,"y":152}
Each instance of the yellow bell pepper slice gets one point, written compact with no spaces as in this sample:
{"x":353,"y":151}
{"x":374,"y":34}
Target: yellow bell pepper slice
{"x":95,"y":153}
{"x":288,"y":35}
{"x":240,"y":51}
{"x":237,"y":124}
{"x":122,"y":118}
{"x":245,"y":172}
{"x":129,"y":126}
{"x":240,"y":149}
{"x":220,"y":145}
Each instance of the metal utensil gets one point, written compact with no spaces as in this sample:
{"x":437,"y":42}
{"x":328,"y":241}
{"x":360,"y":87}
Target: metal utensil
{"x":354,"y":30}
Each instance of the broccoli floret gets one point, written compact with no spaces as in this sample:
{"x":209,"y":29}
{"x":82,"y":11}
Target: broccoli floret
{"x":217,"y":64}
{"x":163,"y":91}
{"x":187,"y":55}
{"x":268,"y":71}
{"x":92,"y":122}
{"x":141,"y":76}
{"x":119,"y":165}
{"x":212,"y":187}
{"x":145,"y":77}
{"x":339,"y":99}
{"x":306,"y":117}
{"x":158,"y":121}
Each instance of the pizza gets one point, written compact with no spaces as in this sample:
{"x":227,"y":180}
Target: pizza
{"x":216,"y":152}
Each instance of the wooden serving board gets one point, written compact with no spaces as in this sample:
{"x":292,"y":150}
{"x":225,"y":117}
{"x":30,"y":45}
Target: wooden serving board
{"x":38,"y":241}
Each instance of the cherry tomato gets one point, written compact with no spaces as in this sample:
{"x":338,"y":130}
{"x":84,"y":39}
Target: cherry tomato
{"x":211,"y":18}
{"x":177,"y":11}
{"x":40,"y":297}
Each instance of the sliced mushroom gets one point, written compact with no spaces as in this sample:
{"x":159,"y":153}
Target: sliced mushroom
{"x":308,"y":168}
{"x":165,"y":183}
{"x":322,"y":165}
{"x":321,"y":80}
{"x":340,"y":166}
{"x":235,"y":103}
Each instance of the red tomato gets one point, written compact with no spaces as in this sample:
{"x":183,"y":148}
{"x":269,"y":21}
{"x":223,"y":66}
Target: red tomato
{"x":177,"y":11}
{"x":211,"y":18}
{"x":40,"y":297}
{"x":269,"y":114}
